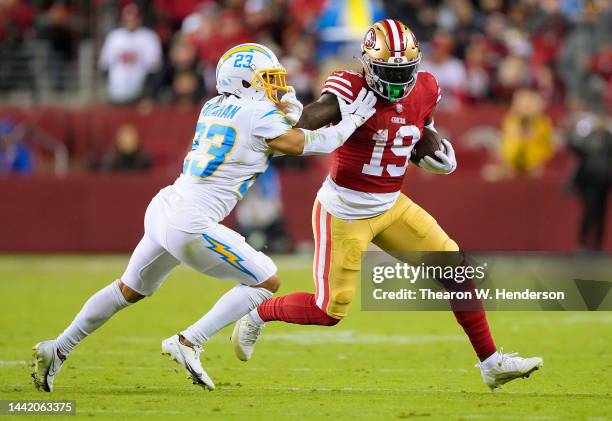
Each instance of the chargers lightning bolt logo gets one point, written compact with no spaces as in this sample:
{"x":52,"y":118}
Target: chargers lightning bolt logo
{"x":226,"y":253}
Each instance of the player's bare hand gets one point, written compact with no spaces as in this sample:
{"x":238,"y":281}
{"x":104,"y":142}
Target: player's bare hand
{"x":291,"y":106}
{"x":446,"y":162}
{"x":361,"y":109}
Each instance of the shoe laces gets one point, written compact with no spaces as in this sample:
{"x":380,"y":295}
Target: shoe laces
{"x":503,"y":358}
{"x":197,"y":350}
{"x":252,"y":332}
{"x":508,"y":358}
{"x":508,"y":355}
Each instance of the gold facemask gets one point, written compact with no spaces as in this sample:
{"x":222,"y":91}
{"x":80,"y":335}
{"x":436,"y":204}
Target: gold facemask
{"x":272,"y":81}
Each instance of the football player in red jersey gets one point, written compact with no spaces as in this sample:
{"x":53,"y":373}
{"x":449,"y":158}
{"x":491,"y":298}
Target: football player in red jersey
{"x":360,"y":201}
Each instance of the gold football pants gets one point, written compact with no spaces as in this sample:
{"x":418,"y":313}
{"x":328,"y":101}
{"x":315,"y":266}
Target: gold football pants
{"x":339,"y":244}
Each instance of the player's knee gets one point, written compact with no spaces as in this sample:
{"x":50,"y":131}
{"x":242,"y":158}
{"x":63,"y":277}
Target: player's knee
{"x":129,"y":294}
{"x":340,"y":303}
{"x":272,"y":284}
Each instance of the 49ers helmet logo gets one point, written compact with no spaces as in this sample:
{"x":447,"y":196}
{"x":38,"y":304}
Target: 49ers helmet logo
{"x":369,"y":41}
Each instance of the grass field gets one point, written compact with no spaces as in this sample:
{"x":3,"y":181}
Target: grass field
{"x":371,"y":366}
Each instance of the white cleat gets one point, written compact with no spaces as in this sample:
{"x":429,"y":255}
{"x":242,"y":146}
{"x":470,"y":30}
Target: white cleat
{"x":501,"y":368}
{"x":244,"y":336}
{"x":189,"y":358}
{"x":47,"y":363}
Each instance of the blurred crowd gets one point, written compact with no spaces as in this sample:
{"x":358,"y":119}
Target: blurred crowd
{"x":480,"y":50}
{"x":489,"y":50}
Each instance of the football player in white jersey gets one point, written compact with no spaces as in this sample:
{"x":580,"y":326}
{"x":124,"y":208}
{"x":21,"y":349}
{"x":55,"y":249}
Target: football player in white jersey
{"x":236,"y":134}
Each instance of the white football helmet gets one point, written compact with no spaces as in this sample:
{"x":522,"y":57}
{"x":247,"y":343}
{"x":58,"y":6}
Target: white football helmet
{"x":251,"y":71}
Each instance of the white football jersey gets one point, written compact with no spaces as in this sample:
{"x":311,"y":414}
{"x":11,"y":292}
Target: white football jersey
{"x":229,"y":151}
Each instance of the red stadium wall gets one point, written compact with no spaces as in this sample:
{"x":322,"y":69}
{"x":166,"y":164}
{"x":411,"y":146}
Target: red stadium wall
{"x":91,"y":213}
{"x":104,"y":212}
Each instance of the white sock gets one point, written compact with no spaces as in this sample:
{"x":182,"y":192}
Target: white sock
{"x":491,"y":360}
{"x":95,"y":312}
{"x":256,"y":318}
{"x":237,"y":302}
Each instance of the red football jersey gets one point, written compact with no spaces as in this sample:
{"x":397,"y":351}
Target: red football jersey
{"x":374,"y":159}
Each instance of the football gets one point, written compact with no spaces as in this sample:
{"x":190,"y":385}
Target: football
{"x":426,"y":146}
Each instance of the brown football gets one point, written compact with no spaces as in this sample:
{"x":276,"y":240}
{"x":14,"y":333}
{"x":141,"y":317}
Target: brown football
{"x":426,"y":146}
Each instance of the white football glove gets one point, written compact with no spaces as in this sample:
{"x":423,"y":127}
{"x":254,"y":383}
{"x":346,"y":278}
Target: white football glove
{"x":291,"y":106}
{"x":446,"y":162}
{"x":360,"y":110}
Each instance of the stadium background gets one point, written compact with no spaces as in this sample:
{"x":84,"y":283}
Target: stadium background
{"x":64,"y":188}
{"x":527,"y":93}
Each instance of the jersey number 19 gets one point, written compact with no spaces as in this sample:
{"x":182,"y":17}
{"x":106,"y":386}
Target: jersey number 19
{"x":397,"y":147}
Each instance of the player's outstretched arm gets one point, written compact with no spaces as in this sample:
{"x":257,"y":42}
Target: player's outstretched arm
{"x":320,"y":113}
{"x":325,"y":140}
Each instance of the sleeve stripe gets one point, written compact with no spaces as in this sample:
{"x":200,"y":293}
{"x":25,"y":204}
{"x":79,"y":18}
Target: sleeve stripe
{"x":340,"y":87}
{"x":335,"y":92}
{"x":339,"y":79}
{"x":439,"y":98}
{"x":274,"y":111}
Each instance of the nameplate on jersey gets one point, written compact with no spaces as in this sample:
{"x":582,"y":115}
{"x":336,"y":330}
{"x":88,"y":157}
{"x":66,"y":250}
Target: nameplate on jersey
{"x":398,"y":120}
{"x":221,"y":111}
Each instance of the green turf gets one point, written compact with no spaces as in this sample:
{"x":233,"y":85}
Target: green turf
{"x":371,"y":366}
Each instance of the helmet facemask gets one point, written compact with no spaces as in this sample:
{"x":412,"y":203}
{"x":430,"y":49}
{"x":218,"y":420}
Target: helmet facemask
{"x":272,"y":81}
{"x":392,"y":81}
